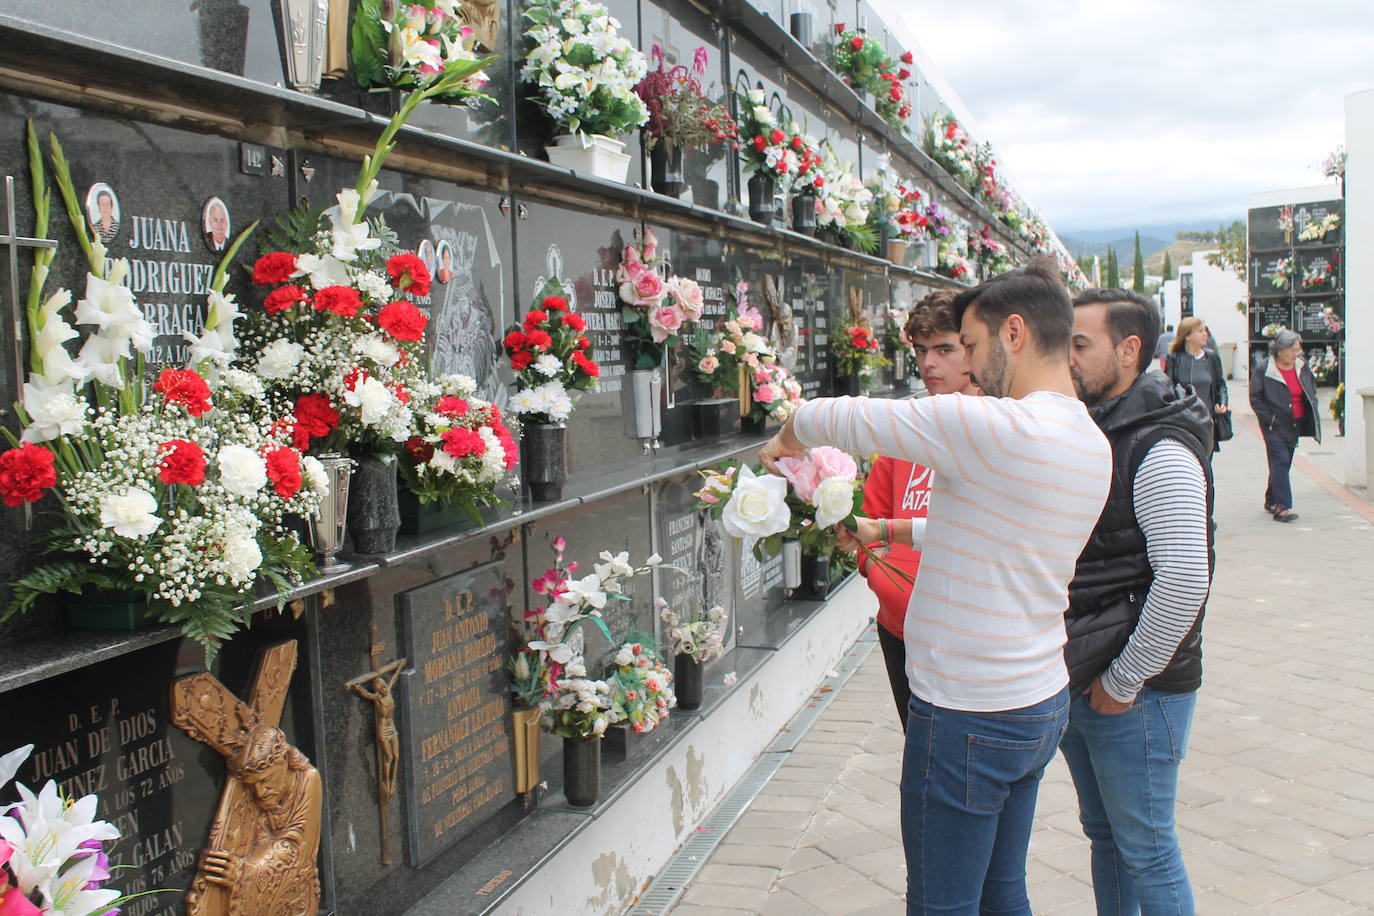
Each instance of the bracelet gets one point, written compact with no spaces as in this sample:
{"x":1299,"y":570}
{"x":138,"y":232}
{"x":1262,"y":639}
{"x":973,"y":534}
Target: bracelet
{"x":883,"y":535}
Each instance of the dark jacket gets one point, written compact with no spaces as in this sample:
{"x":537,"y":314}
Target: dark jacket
{"x":1273,"y":406}
{"x":1179,"y":366}
{"x":1114,"y":574}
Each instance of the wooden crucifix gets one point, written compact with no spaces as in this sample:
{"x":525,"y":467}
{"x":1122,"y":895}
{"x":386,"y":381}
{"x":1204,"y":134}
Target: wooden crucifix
{"x":260,"y":855}
{"x":376,"y":686}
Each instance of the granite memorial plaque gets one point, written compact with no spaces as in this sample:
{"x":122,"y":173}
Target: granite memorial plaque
{"x":456,"y":728}
{"x":105,"y":729}
{"x":1265,"y":312}
{"x":684,"y":539}
{"x":1265,"y":231}
{"x":1309,"y":317}
{"x":1305,"y":214}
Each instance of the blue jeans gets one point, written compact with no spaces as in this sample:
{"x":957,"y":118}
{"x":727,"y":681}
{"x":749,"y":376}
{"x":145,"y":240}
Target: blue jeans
{"x":1280,"y":452}
{"x":969,"y":782}
{"x":1125,"y":769}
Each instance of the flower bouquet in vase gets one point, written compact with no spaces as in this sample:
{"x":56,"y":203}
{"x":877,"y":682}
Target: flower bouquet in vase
{"x":642,"y":694}
{"x":1318,"y":275}
{"x":460,"y":456}
{"x":681,"y":117}
{"x":407,"y":46}
{"x":857,"y":355}
{"x":548,"y":353}
{"x":843,"y":205}
{"x":171,"y":502}
{"x":584,"y":73}
{"x":897,"y":347}
{"x":1286,"y":224}
{"x":694,"y":638}
{"x":1282,"y":276}
{"x":949,"y":145}
{"x":991,"y":253}
{"x":767,"y":152}
{"x":658,"y":313}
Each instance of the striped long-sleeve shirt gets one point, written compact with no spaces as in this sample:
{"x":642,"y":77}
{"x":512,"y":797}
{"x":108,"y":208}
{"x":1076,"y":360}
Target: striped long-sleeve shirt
{"x":1019,"y":486}
{"x":1170,"y":495}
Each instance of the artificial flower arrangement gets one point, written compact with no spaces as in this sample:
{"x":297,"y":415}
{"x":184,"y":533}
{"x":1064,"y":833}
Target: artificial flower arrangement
{"x":857,"y":352}
{"x":52,"y":851}
{"x":1333,"y":166}
{"x":410,"y":45}
{"x":1317,"y":275}
{"x":179,"y":493}
{"x":843,"y":204}
{"x":681,"y":116}
{"x":461,"y":452}
{"x":548,"y":353}
{"x":1337,"y":405}
{"x":658,"y":312}
{"x":696,"y":634}
{"x":993,"y":255}
{"x":938,"y":222}
{"x":766,"y":148}
{"x":1283,"y":273}
{"x":1271,"y":330}
{"x":897,"y":211}
{"x":641,"y":688}
{"x":1286,"y":222}
{"x":950,"y":146}
{"x":1332,"y":321}
{"x":894,"y":329}
{"x":585,"y":71}
{"x":1324,"y":364}
{"x":864,"y":65}
{"x":953,"y":260}
{"x":1318,"y":229}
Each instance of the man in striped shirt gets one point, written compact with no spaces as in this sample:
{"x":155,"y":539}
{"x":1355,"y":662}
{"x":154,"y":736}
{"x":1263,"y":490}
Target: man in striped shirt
{"x":1135,"y":609}
{"x":1020,"y":480}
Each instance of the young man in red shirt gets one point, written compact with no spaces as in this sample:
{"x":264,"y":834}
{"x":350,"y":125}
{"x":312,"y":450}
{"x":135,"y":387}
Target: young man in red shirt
{"x":900,"y":490}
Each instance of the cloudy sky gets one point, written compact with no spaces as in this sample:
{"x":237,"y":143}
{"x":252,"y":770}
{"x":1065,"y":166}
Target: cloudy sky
{"x":1112,"y":113}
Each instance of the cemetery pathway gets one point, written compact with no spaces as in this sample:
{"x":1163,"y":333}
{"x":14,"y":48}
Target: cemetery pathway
{"x":1276,"y":807}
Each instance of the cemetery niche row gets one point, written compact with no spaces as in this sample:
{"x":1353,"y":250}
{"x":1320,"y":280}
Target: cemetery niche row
{"x":395,"y":690}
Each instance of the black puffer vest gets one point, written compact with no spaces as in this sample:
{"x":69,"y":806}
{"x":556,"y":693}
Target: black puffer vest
{"x":1114,"y":574}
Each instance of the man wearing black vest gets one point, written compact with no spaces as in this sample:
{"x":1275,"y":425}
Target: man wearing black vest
{"x":1134,"y":650}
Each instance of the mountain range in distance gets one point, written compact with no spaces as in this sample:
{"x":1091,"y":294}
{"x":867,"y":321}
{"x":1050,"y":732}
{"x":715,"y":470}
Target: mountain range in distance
{"x":1153,"y":238}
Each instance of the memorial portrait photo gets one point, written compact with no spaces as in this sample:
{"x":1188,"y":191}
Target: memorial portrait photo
{"x":102,"y":211}
{"x":214,"y":223}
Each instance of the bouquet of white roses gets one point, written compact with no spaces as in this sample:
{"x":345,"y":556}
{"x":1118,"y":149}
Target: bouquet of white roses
{"x":585,"y":71}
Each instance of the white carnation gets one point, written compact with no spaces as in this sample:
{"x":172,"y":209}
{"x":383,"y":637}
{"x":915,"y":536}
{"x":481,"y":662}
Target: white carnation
{"x":241,"y":471}
{"x":381,"y":352}
{"x":130,"y":513}
{"x":548,"y":365}
{"x":280,"y":359}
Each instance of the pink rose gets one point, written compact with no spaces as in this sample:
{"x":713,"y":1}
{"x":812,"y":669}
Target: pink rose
{"x":831,"y":463}
{"x":665,"y":322}
{"x":630,"y":256}
{"x":650,"y":245}
{"x":733,"y":328}
{"x":689,"y":297}
{"x":800,"y":472}
{"x":765,"y":394}
{"x":646,"y":290}
{"x":762,"y":378}
{"x":708,"y":365}
{"x":727,"y":346}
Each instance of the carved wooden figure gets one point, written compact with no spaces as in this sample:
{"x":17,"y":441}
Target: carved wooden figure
{"x":259,"y":858}
{"x":376,"y":686}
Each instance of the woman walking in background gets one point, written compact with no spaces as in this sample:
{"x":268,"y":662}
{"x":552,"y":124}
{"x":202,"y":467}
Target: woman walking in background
{"x":1192,"y":364}
{"x":1283,"y":394}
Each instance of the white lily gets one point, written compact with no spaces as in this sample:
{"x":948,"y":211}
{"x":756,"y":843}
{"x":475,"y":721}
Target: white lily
{"x":615,"y":566}
{"x":560,"y":652}
{"x":322,"y":271}
{"x":45,"y":831}
{"x":67,"y":893}
{"x":586,"y":591}
{"x":57,"y":363}
{"x":11,"y":762}
{"x":54,"y":410}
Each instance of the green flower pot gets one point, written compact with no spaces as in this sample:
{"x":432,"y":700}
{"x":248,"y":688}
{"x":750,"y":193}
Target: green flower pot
{"x":97,"y":609}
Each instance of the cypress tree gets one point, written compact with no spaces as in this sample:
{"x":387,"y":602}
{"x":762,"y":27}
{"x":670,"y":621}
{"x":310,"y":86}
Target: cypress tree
{"x":1138,"y":267}
{"x":1113,"y":278}
{"x":1168,"y":266}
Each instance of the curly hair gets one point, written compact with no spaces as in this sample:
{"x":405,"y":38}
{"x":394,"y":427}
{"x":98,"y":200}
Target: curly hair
{"x":933,"y":315}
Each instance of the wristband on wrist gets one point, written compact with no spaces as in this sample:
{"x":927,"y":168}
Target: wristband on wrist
{"x":883,"y":535}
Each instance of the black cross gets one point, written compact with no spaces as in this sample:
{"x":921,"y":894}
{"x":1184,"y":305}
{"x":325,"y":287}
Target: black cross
{"x":15,"y":241}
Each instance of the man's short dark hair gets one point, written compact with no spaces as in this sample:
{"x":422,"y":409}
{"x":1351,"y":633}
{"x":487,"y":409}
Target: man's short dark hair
{"x":933,"y":315}
{"x":1036,"y":293}
{"x":1128,"y":315}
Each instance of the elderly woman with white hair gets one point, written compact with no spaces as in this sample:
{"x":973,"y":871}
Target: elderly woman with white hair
{"x":1283,"y":394}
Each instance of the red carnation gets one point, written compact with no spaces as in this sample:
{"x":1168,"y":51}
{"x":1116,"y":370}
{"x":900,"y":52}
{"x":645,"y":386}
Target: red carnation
{"x":521,"y":360}
{"x":282,"y":298}
{"x":515,"y":340}
{"x":354,"y":376}
{"x":760,"y":144}
{"x":461,"y":442}
{"x":903,"y":74}
{"x":341,"y":300}
{"x":908,"y":59}
{"x":284,"y":470}
{"x":798,"y":143}
{"x":839,"y":28}
{"x":315,"y":417}
{"x":184,"y":387}
{"x":777,"y":136}
{"x":419,"y":450}
{"x":574,"y":321}
{"x":25,"y":472}
{"x":403,"y":321}
{"x":451,"y":406}
{"x":856,"y":43}
{"x":895,"y":94}
{"x":580,"y":360}
{"x":555,"y":303}
{"x":398,"y":391}
{"x":408,"y":274}
{"x":182,"y":462}
{"x":539,"y":340}
{"x":583,"y":343}
{"x":535,"y":317}
{"x":276,"y":267}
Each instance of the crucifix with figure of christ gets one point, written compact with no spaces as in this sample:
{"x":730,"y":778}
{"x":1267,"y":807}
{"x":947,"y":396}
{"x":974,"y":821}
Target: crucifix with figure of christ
{"x":376,"y":686}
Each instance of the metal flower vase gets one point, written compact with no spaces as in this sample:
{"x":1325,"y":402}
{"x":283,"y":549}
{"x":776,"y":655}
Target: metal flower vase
{"x":688,"y":683}
{"x":542,"y":450}
{"x":644,"y":410}
{"x":526,"y":748}
{"x":665,"y":169}
{"x":804,"y":214}
{"x":374,"y":514}
{"x":326,"y":528}
{"x":762,"y":207}
{"x":302,"y":28}
{"x":581,"y":771}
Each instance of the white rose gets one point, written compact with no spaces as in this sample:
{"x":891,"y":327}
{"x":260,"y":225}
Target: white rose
{"x":130,"y":514}
{"x":241,"y":471}
{"x":280,"y":359}
{"x":758,"y":507}
{"x":834,"y":501}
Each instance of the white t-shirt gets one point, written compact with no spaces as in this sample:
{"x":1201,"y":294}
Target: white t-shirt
{"x":1019,"y":486}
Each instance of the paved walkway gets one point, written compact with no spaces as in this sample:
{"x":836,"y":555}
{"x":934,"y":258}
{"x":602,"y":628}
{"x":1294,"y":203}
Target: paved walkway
{"x":1277,"y":798}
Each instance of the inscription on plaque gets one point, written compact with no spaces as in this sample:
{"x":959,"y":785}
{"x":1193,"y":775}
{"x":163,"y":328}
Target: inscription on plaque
{"x":457,"y":746}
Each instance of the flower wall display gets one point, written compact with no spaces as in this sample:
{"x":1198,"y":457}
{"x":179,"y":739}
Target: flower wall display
{"x":548,"y":353}
{"x":657,"y":311}
{"x":462,"y":451}
{"x":865,"y":65}
{"x":1283,"y":273}
{"x":584,"y":71}
{"x":681,"y":116}
{"x":952,"y":148}
{"x":178,"y":493}
{"x":856,"y":351}
{"x":398,"y":45}
{"x":52,"y":851}
{"x":1318,"y":229}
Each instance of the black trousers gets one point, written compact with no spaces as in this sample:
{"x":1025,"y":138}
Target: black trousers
{"x":1280,"y":452}
{"x":894,"y":656}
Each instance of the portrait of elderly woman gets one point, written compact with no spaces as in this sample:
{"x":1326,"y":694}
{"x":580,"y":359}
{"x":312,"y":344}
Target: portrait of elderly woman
{"x":103,"y":212}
